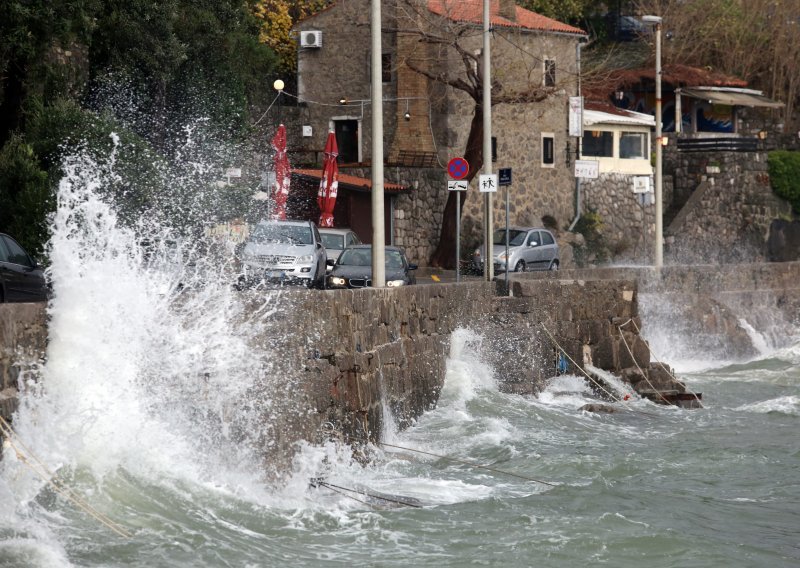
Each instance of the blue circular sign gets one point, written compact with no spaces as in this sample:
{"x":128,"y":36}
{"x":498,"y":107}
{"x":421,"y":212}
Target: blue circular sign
{"x":458,"y":168}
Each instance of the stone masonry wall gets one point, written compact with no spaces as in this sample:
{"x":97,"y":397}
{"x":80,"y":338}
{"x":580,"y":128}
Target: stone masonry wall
{"x":23,"y":335}
{"x":729,"y":206}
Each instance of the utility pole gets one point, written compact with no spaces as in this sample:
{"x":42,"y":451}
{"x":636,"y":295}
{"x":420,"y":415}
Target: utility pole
{"x":378,"y":231}
{"x":488,"y":263}
{"x":659,"y":240}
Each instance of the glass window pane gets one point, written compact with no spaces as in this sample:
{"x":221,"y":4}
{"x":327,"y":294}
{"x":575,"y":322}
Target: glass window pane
{"x":16,"y":254}
{"x":548,"y":150}
{"x":632,"y":145}
{"x":598,"y":143}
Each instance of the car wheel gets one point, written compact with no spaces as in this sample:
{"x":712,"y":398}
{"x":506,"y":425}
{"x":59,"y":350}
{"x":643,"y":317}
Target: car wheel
{"x":554,"y":265}
{"x":520,"y":266}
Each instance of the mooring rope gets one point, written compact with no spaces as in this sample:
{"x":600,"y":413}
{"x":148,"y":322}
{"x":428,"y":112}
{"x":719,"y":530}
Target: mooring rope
{"x":625,"y":341}
{"x":668,"y":371}
{"x":339,"y":489}
{"x":588,"y":376}
{"x":50,"y":478}
{"x":469,"y":463}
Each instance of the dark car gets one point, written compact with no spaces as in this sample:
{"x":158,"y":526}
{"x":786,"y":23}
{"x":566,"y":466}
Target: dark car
{"x":21,"y":277}
{"x":353,"y":268}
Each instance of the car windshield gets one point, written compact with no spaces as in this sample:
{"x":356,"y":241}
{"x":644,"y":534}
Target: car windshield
{"x":280,"y":233}
{"x":332,"y":242}
{"x":363,"y":257}
{"x":515,"y":237}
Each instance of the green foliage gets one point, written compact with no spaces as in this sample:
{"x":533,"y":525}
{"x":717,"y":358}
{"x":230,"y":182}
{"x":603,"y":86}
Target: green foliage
{"x":562,"y":10}
{"x":25,"y":195}
{"x":590,"y":225}
{"x":784,"y":174}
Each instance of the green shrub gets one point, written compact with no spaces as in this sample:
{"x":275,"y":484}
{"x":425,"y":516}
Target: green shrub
{"x":784,"y":174}
{"x":25,"y":195}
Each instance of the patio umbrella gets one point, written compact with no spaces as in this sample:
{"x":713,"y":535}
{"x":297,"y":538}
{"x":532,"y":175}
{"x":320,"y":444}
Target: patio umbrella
{"x":283,"y":174}
{"x":329,"y":184}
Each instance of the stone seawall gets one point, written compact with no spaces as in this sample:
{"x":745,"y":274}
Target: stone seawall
{"x":23,"y":336}
{"x":340,"y":362}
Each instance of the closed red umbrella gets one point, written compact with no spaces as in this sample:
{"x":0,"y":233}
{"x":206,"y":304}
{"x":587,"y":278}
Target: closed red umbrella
{"x":283,"y":174}
{"x":329,"y":184}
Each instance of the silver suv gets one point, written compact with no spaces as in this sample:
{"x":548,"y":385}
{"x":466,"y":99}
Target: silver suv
{"x":529,"y":248}
{"x":284,"y":252}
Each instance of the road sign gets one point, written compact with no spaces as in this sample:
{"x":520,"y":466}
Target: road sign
{"x":457,"y":168}
{"x":488,"y":183}
{"x":504,"y":176}
{"x":457,"y":185}
{"x":589,"y":169}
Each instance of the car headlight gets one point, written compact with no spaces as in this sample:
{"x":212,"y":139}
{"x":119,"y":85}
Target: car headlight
{"x":393,"y":283}
{"x":338,"y":281}
{"x":305,"y":259}
{"x":501,"y":257}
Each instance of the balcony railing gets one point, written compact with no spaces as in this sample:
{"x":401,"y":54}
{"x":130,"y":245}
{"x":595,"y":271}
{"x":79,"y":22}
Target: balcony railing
{"x":718,"y":144}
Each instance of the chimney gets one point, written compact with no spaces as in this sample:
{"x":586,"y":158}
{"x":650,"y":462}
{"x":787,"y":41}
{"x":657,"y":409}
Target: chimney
{"x":508,"y":10}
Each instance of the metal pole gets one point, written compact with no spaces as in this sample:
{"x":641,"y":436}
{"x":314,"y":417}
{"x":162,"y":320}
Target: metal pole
{"x":458,"y":236}
{"x":508,"y":195}
{"x":487,"y":143}
{"x":378,"y":230}
{"x":659,"y":259}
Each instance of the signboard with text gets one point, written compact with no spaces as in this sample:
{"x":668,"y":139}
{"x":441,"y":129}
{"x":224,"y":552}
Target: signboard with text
{"x":589,"y":169}
{"x":576,"y":116}
{"x":504,"y":176}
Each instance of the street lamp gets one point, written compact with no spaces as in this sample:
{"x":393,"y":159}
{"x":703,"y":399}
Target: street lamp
{"x":659,"y":253}
{"x":278,"y":85}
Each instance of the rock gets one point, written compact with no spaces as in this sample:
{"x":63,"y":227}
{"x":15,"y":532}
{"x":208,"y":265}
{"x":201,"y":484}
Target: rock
{"x":596,"y":407}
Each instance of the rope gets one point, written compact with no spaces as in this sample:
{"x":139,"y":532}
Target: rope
{"x":469,"y":463}
{"x":334,"y":488}
{"x":50,"y":478}
{"x":588,"y":376}
{"x":637,"y":364}
{"x":668,"y":371}
{"x":553,"y":339}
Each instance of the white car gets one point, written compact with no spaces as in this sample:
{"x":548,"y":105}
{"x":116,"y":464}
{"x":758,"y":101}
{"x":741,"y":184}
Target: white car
{"x":278,"y":252}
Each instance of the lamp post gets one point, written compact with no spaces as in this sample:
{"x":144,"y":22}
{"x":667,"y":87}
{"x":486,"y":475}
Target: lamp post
{"x":278,"y":85}
{"x":659,"y":240}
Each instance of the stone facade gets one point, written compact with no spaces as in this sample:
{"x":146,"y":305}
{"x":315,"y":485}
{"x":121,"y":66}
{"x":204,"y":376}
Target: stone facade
{"x":440,"y":117}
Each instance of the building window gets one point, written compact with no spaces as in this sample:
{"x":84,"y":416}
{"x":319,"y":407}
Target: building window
{"x":549,"y":72}
{"x":548,"y":150}
{"x":347,"y":140}
{"x":597,"y":143}
{"x":386,"y":68}
{"x":632,"y":145}
{"x":494,"y":148}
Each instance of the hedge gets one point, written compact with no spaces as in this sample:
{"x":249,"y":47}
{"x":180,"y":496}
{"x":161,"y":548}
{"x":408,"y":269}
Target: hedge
{"x":784,"y":173}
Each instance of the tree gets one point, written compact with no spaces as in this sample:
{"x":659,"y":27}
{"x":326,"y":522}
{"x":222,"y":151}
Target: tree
{"x":446,"y":39}
{"x":277,"y":18}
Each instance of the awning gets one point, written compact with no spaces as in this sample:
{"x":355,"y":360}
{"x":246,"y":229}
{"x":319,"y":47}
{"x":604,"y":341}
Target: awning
{"x":353,"y":182}
{"x":734,"y":97}
{"x":593,"y":117}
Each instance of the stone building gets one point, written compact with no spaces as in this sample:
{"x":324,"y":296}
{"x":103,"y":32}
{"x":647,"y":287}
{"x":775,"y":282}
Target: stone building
{"x":427,"y":120}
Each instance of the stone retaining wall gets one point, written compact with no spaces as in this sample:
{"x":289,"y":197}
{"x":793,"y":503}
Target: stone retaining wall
{"x":23,"y":336}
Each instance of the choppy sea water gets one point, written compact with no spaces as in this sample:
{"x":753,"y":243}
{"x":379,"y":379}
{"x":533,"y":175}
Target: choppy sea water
{"x":135,"y":406}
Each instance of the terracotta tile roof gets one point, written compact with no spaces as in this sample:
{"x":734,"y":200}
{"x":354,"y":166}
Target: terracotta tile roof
{"x":354,"y":182}
{"x":472,"y":11}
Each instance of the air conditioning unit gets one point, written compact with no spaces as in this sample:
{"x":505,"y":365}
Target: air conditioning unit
{"x":311,"y":38}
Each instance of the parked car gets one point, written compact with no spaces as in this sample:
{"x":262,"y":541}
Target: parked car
{"x":21,"y":277}
{"x":336,"y":240}
{"x":353,"y":268}
{"x":278,"y":252}
{"x":529,"y":248}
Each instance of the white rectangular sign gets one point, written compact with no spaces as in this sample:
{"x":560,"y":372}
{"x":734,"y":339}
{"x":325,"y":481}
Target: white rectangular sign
{"x":488,"y":183}
{"x":233,"y":172}
{"x":457,"y":185}
{"x":576,"y":116}
{"x":641,"y":184}
{"x":589,"y":169}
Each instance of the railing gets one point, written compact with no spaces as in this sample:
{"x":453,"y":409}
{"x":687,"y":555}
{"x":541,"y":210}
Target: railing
{"x":718,"y":144}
